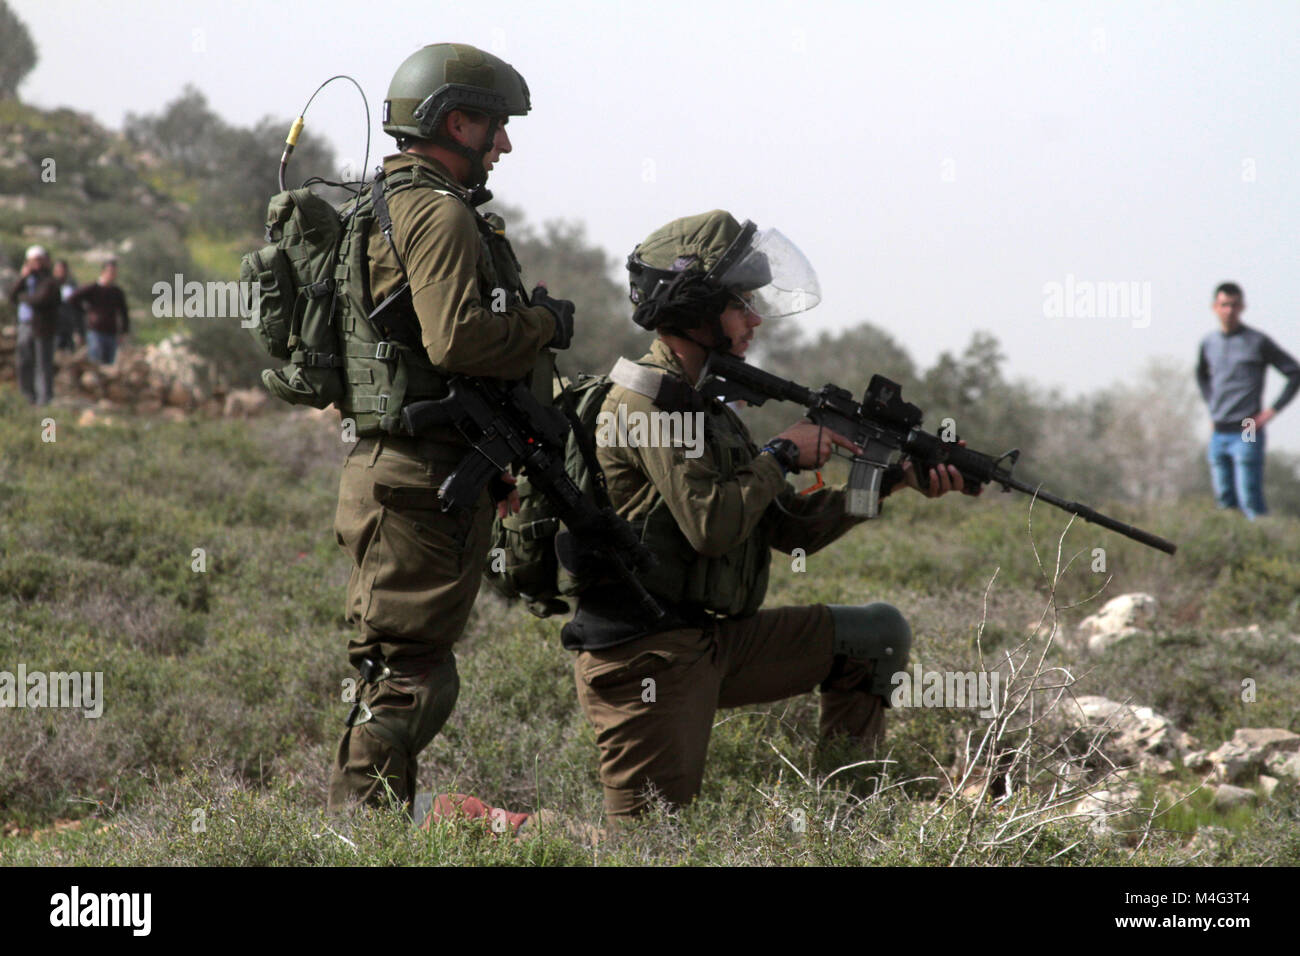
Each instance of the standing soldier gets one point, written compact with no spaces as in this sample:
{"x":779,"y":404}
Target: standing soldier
{"x":451,"y":272}
{"x":705,"y":283}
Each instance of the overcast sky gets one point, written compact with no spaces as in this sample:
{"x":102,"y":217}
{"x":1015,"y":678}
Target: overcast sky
{"x":942,"y":165}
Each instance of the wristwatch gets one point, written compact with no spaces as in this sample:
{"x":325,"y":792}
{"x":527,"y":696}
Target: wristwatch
{"x":785,"y":452}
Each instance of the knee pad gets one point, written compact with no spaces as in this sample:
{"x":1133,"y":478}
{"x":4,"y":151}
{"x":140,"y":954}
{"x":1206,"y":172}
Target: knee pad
{"x":875,"y":632}
{"x":406,"y":710}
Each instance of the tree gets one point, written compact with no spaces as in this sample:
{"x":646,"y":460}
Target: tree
{"x":235,"y":167}
{"x":186,"y":132}
{"x":17,"y":52}
{"x":572,"y":268}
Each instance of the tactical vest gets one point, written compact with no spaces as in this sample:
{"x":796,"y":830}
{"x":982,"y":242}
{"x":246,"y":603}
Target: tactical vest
{"x":734,"y":584}
{"x":383,"y":374}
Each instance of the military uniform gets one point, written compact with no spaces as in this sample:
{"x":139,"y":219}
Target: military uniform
{"x":416,"y":569}
{"x":651,"y":691}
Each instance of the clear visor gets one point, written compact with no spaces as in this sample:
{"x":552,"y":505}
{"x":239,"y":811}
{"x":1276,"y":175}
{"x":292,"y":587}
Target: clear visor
{"x":779,"y":276}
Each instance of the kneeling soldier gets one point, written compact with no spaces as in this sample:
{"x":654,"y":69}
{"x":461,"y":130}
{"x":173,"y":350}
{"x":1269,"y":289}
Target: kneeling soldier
{"x":711,"y":515}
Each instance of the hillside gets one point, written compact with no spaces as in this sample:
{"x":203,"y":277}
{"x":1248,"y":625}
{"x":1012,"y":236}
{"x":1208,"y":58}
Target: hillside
{"x":191,"y":561}
{"x":222,"y":686}
{"x":86,"y":193}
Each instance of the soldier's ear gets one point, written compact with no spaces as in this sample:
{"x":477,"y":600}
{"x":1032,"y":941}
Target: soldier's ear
{"x":459,"y":125}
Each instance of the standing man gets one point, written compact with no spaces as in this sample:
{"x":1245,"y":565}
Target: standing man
{"x":36,"y":293}
{"x":71,"y":331}
{"x":650,"y":690}
{"x":456,"y":284}
{"x":107,"y":318}
{"x":1230,"y":371}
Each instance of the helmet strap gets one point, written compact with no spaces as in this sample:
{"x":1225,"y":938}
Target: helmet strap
{"x":477,"y":170}
{"x":722,"y":343}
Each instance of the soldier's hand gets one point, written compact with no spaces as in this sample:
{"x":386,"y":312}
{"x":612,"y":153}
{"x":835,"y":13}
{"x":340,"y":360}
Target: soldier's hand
{"x":562,"y":310}
{"x":943,"y":479}
{"x":815,"y":443}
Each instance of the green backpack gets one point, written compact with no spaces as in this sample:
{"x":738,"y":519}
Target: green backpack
{"x":294,"y":305}
{"x":341,"y":349}
{"x":522,"y":561}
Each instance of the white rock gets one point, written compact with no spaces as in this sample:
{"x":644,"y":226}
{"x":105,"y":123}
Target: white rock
{"x":1245,"y":755}
{"x":1130,"y":734}
{"x":1285,"y":765}
{"x":1119,"y":797}
{"x":246,"y":402}
{"x":1267,"y":785}
{"x":1228,"y":797}
{"x":1120,"y":618}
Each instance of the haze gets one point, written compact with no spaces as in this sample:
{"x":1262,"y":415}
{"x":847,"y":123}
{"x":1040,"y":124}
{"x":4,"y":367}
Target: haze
{"x":940,"y":164}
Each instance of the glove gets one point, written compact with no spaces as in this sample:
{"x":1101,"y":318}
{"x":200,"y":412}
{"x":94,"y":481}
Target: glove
{"x":562,"y":309}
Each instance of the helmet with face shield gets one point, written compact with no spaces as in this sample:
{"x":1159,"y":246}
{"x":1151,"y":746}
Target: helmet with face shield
{"x":685,"y":273}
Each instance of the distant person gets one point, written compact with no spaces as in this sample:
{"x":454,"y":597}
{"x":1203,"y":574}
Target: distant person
{"x":106,"y":314}
{"x":1230,"y":371}
{"x":36,"y":293}
{"x":71,"y":331}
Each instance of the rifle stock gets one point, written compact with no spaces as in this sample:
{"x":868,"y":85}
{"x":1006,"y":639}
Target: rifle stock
{"x":509,"y":428}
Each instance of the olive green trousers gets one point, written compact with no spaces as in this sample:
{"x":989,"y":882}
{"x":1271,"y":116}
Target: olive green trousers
{"x":415,"y":575}
{"x":653,"y":701}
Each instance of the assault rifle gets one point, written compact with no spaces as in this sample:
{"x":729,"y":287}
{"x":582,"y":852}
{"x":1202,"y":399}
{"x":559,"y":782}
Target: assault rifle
{"x":888,"y":430}
{"x":510,"y":429}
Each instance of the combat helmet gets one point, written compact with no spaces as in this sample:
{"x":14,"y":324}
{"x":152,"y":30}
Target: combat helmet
{"x":684,"y":273}
{"x":442,"y":77}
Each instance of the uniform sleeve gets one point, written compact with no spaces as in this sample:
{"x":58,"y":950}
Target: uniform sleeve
{"x":440,"y":246}
{"x":714,"y":515}
{"x":810,"y":522}
{"x":1284,"y":363}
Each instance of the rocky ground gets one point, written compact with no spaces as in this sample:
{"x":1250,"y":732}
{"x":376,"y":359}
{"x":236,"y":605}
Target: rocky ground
{"x":1138,"y":741}
{"x":167,"y":379}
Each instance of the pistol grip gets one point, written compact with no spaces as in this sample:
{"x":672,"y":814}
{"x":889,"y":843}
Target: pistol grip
{"x":461,"y":489}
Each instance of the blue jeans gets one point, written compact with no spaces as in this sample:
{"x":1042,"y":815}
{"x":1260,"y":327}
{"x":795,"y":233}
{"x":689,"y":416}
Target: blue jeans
{"x":1237,"y":470}
{"x":102,"y":346}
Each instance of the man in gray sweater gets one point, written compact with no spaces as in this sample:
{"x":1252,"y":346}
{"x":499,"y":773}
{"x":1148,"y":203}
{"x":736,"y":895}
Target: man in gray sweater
{"x":1230,"y":371}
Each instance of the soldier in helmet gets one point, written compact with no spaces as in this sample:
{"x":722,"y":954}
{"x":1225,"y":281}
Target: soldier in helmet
{"x":706,"y":283}
{"x":416,"y":569}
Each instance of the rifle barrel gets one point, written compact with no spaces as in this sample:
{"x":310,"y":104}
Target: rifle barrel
{"x":1091,"y":515}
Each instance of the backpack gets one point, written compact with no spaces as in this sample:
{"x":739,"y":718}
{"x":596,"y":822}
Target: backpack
{"x":522,"y":561}
{"x":294,"y":304}
{"x":341,"y":349}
